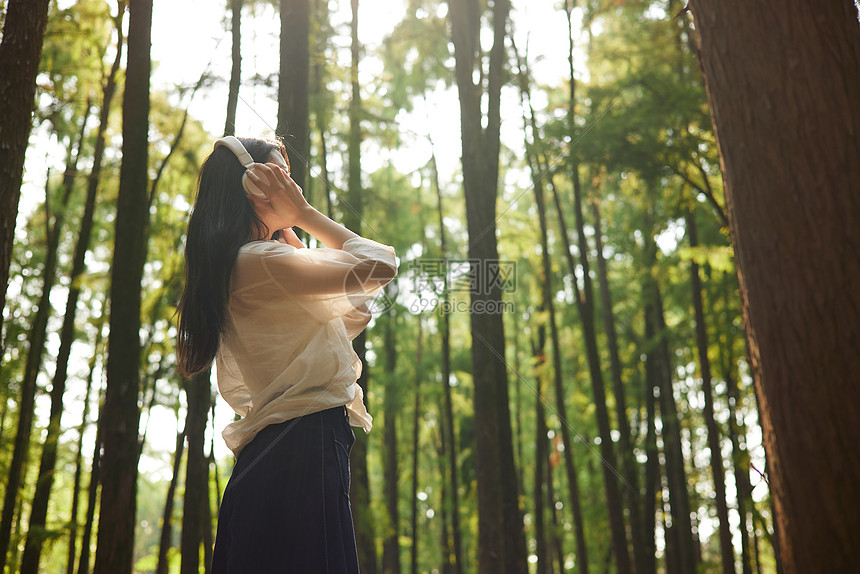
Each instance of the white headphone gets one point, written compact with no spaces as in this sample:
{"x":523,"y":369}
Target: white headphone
{"x":234,"y":145}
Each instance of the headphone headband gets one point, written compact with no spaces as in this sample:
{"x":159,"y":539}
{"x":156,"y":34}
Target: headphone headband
{"x":233,"y":144}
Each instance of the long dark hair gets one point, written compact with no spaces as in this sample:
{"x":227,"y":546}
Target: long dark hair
{"x":221,"y":221}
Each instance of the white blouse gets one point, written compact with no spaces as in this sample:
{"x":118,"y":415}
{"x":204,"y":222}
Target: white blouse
{"x":287,"y":350}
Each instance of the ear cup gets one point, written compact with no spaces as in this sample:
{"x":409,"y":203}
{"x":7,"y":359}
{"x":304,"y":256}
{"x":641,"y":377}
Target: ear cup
{"x":250,"y":187}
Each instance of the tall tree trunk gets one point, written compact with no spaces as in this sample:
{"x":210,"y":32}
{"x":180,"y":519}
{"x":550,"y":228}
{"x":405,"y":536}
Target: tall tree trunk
{"x":501,"y":543}
{"x":92,"y":495}
{"x":108,"y":91}
{"x":20,"y":52}
{"x":537,"y":166}
{"x":35,"y":351}
{"x":585,"y":307}
{"x":567,"y":441}
{"x":79,"y":456}
{"x":544,"y":561}
{"x":166,"y":539}
{"x":449,"y":434}
{"x":293,"y":85}
{"x":676,"y":476}
{"x":119,"y":488}
{"x":198,"y":391}
{"x":236,"y":68}
{"x":45,"y":480}
{"x":644,"y":563}
{"x":714,"y":437}
{"x":416,"y":424}
{"x":652,"y":464}
{"x":740,"y":461}
{"x":793,"y":220}
{"x":391,"y":541}
{"x":359,"y":490}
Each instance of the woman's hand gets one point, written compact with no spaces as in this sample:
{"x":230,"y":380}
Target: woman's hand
{"x":289,"y":237}
{"x":284,"y":205}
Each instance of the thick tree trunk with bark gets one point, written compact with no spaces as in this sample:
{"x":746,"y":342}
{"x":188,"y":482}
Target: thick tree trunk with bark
{"x":20,"y":52}
{"x":293,"y":85}
{"x":501,"y":543}
{"x":119,"y":487}
{"x":784,"y":89}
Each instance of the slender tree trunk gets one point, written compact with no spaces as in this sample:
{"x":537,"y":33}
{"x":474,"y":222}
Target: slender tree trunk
{"x":165,"y":541}
{"x":567,"y":441}
{"x":585,"y":307}
{"x":92,"y":495}
{"x":740,"y":463}
{"x":714,"y":437}
{"x":652,"y":464}
{"x":644,"y":563}
{"x":676,"y":476}
{"x":47,"y":464}
{"x":35,"y":352}
{"x":793,"y":220}
{"x":118,"y":502}
{"x":108,"y":90}
{"x":416,"y":424}
{"x":198,"y":391}
{"x":501,"y":543}
{"x":352,"y":218}
{"x":293,"y":85}
{"x":544,"y":562}
{"x":391,"y":541}
{"x":20,"y":52}
{"x":79,"y":457}
{"x":449,"y":434}
{"x":236,"y":69}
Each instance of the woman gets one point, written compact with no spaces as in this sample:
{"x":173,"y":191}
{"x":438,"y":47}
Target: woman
{"x":277,"y":319}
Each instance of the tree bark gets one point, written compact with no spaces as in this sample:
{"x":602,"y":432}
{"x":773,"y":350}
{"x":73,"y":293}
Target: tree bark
{"x":35,"y":351}
{"x":391,"y":541}
{"x":644,"y":564}
{"x":166,"y":539}
{"x":92,"y":495}
{"x":449,"y":434}
{"x":501,"y":543}
{"x":119,"y":488}
{"x":714,"y":437}
{"x":79,"y":456}
{"x":293,"y":85}
{"x":783,"y":89}
{"x":20,"y":52}
{"x":236,"y":68}
{"x":416,"y":422}
{"x":359,"y":489}
{"x":198,"y":391}
{"x":48,"y":461}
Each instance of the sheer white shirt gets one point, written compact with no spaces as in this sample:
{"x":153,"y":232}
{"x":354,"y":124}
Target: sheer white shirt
{"x":293,"y":313}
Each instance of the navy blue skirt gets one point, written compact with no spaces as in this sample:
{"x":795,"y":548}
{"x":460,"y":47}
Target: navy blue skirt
{"x":286,"y":505}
